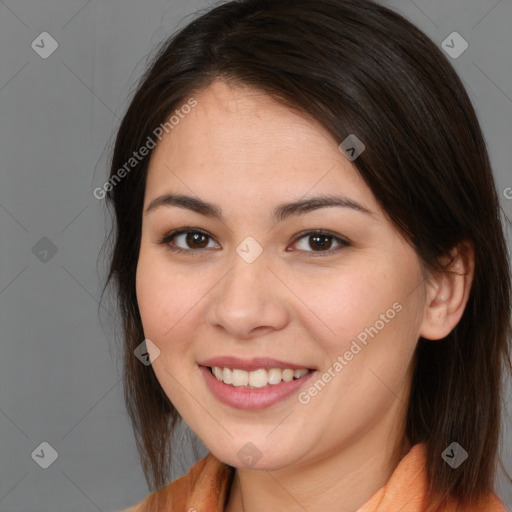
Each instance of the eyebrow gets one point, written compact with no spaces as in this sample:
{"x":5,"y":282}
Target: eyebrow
{"x":280,"y":213}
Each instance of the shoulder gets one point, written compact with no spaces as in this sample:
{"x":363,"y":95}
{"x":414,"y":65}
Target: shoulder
{"x":206,"y":482}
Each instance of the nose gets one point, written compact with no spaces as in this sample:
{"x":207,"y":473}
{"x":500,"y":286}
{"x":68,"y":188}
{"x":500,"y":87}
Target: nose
{"x":249,"y":301}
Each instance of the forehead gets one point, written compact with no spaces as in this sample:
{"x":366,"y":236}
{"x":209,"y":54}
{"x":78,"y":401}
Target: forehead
{"x":239,"y":142}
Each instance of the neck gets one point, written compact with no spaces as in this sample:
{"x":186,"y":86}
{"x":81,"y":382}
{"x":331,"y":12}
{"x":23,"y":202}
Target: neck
{"x":342,"y":481}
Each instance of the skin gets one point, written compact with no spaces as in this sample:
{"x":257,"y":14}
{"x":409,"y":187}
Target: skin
{"x":246,"y":153}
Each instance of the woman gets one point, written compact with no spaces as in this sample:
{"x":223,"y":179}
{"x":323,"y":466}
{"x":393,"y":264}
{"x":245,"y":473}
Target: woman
{"x":310,"y":265}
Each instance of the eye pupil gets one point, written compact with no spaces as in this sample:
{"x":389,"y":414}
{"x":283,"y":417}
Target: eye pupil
{"x":193,"y":237}
{"x":320,"y":241}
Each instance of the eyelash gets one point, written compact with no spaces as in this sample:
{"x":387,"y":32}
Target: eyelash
{"x":168,"y":237}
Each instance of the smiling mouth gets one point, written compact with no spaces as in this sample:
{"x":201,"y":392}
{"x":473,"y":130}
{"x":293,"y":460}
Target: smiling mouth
{"x":257,"y":379}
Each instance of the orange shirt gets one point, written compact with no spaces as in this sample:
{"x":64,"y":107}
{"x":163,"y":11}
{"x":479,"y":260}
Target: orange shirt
{"x":206,"y":486}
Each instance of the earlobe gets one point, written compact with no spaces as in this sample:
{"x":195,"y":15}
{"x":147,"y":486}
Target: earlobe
{"x":448,"y":293}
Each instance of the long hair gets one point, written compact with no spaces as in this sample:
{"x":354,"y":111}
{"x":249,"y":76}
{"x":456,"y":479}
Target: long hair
{"x":358,"y":68}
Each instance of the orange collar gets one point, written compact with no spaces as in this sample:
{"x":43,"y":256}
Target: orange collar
{"x":206,"y":487}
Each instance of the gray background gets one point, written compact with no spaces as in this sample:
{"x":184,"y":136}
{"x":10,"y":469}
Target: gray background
{"x":59,"y":380}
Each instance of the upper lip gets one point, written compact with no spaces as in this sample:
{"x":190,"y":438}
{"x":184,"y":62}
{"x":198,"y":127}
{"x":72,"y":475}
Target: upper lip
{"x":254,"y":363}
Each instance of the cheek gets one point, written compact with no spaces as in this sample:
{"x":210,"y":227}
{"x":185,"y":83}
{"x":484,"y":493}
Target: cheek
{"x":363,"y":308}
{"x":166,"y":299}
{"x":163,"y":296}
{"x":376,"y":326}
{"x":341,"y":305}
{"x":171,"y":303}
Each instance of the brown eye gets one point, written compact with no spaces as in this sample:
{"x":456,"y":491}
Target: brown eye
{"x":318,"y":241}
{"x":186,"y":239}
{"x":198,"y":240}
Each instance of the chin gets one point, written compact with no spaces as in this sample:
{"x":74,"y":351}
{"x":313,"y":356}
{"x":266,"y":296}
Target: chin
{"x":258,"y":454}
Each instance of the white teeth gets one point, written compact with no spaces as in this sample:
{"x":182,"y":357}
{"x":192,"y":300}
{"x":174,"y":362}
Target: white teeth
{"x":240,"y":378}
{"x":288,"y":375}
{"x":274,"y":376}
{"x":257,"y":378}
{"x":227,"y":376}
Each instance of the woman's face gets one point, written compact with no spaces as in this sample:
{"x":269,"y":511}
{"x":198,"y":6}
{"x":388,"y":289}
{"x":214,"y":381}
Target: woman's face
{"x":260,"y":284}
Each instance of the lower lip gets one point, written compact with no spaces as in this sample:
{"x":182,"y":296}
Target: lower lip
{"x":252,"y":399}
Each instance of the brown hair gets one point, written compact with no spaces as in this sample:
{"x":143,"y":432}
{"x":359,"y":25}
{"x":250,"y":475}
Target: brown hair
{"x":358,"y":68}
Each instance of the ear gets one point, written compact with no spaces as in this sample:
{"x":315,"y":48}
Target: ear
{"x":448,"y":293}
